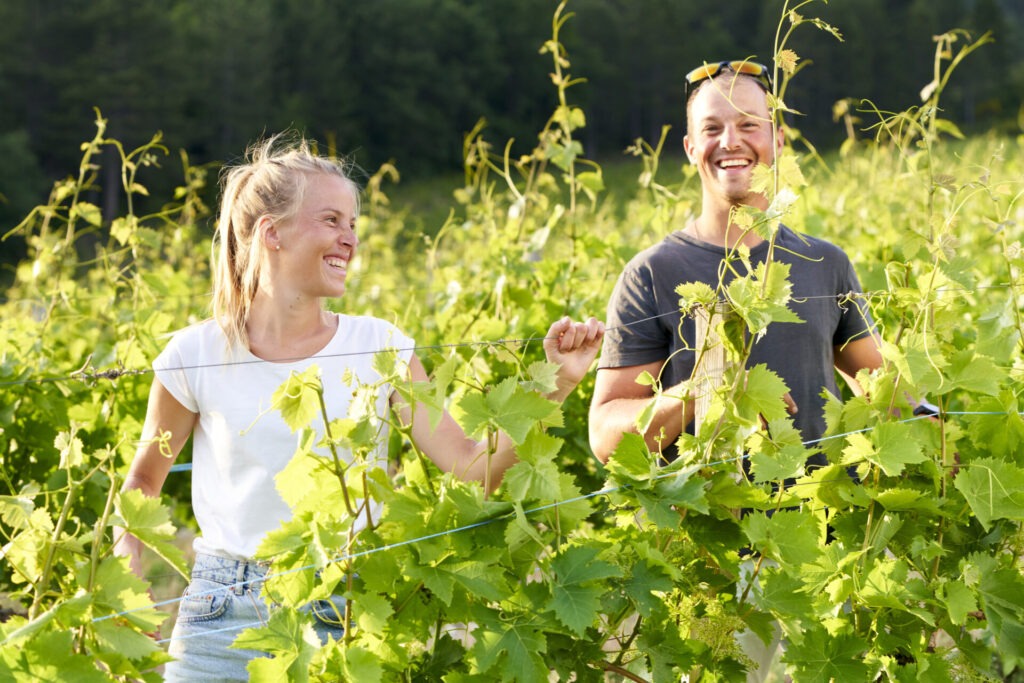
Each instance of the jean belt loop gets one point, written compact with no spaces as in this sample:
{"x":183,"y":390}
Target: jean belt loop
{"x":240,"y":578}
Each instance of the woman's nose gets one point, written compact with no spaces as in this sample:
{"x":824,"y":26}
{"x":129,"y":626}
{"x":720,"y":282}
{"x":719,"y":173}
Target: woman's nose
{"x":349,"y":238}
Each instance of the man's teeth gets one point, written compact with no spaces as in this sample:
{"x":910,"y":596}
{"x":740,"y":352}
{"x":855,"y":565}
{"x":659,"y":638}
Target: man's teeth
{"x":337,"y":263}
{"x":731,"y":163}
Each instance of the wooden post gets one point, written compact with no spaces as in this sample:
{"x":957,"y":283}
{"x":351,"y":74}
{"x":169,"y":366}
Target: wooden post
{"x":710,"y":363}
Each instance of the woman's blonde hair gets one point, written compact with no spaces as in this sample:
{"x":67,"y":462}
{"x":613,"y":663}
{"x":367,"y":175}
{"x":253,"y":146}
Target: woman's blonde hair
{"x":269,"y":183}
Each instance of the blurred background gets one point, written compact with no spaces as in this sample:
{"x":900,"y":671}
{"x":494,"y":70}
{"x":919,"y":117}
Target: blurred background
{"x":405,"y":80}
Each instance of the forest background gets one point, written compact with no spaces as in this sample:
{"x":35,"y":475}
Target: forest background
{"x":404,"y":80}
{"x":921,"y":580}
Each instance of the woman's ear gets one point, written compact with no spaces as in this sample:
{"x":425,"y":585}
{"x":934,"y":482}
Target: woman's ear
{"x":267,"y":231}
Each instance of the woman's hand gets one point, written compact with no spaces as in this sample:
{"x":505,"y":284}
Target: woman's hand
{"x":573,"y":347}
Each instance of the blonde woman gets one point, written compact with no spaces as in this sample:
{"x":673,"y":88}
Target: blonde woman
{"x":287,"y":234}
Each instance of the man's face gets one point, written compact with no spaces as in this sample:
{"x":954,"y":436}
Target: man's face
{"x":729,"y":133}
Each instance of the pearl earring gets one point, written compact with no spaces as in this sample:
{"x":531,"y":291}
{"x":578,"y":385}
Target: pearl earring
{"x":278,"y":247}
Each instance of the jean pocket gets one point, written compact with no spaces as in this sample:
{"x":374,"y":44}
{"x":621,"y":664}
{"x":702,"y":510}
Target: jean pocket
{"x":329,"y":612}
{"x":203,"y":600}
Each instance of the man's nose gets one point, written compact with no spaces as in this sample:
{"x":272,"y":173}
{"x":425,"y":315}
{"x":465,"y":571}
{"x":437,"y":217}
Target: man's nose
{"x":729,"y":138}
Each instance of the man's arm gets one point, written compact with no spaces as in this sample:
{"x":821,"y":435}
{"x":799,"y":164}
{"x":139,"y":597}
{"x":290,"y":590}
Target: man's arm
{"x":857,"y":355}
{"x":618,"y":401}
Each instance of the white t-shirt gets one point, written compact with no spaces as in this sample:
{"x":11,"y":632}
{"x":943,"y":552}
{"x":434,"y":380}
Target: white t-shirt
{"x":240,"y":443}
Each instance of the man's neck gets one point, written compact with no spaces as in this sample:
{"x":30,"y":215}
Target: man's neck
{"x":715,"y":228}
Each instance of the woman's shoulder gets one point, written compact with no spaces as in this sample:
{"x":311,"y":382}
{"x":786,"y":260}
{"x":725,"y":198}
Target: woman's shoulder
{"x":370,"y":328}
{"x":195,"y":338}
{"x":197,"y":332}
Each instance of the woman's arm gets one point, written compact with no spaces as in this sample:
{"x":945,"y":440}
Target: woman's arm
{"x":166,"y":429}
{"x":573,"y":346}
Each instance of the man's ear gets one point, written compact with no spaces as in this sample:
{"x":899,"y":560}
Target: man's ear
{"x":688,"y":148}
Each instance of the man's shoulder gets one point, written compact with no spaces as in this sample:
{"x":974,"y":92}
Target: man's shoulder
{"x":805,"y":245}
{"x":667,"y":249}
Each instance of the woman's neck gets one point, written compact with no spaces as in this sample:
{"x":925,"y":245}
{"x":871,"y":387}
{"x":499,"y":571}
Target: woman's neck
{"x":281,"y":330}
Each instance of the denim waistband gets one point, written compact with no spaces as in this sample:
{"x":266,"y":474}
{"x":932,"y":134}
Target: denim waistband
{"x":239,"y":574}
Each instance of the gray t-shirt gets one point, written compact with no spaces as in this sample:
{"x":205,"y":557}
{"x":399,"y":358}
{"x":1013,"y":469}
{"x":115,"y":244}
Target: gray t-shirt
{"x":644,"y":320}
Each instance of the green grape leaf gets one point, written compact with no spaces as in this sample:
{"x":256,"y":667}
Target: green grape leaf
{"x":518,"y":647}
{"x":523,"y":411}
{"x":50,"y":657}
{"x":577,"y":605}
{"x":125,"y":641}
{"x":371,"y":611}
{"x":70,"y":448}
{"x":891,"y":446}
{"x":779,"y":456}
{"x":72,"y":611}
{"x":291,"y":640}
{"x":972,"y":372}
{"x":149,"y":521}
{"x":885,"y":585}
{"x":15,"y":511}
{"x":823,"y":658}
{"x":762,"y":395}
{"x":960,"y":601}
{"x":994,"y":489}
{"x":543,"y":377}
{"x":791,"y":537}
{"x":645,"y":583}
{"x":631,"y":461}
{"x":535,"y":476}
{"x":359,"y":664}
{"x":683,"y":489}
{"x":116,"y":589}
{"x":762,"y":298}
{"x":298,"y":398}
{"x":508,"y":408}
{"x":1002,"y":598}
{"x":917,"y":365}
{"x":695,"y":294}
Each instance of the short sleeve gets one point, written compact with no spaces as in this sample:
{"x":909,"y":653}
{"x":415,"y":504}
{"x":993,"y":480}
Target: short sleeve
{"x":855,"y":319}
{"x":176,"y":374}
{"x":634,"y":334}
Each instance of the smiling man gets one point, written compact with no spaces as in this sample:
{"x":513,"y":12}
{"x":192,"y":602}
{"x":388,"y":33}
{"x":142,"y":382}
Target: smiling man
{"x":729,"y":133}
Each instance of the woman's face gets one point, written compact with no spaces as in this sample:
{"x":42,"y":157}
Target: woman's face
{"x":315,"y":246}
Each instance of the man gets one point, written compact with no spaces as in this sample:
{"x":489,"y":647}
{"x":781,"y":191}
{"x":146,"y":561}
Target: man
{"x":729,"y":133}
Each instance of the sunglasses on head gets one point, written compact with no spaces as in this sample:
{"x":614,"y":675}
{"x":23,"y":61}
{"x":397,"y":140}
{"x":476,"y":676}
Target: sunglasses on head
{"x":706,"y":71}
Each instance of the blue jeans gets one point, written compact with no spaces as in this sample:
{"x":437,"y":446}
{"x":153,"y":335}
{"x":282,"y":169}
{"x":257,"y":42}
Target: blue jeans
{"x":222,"y":600}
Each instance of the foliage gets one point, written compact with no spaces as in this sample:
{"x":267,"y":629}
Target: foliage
{"x":913,"y":571}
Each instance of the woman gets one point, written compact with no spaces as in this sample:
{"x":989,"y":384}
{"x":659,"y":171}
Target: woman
{"x":286,"y":235}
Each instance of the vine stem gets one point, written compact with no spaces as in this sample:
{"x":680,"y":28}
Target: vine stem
{"x":945,"y":468}
{"x":339,"y":466}
{"x":51,"y":553}
{"x":100,"y":525}
{"x":625,"y":673}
